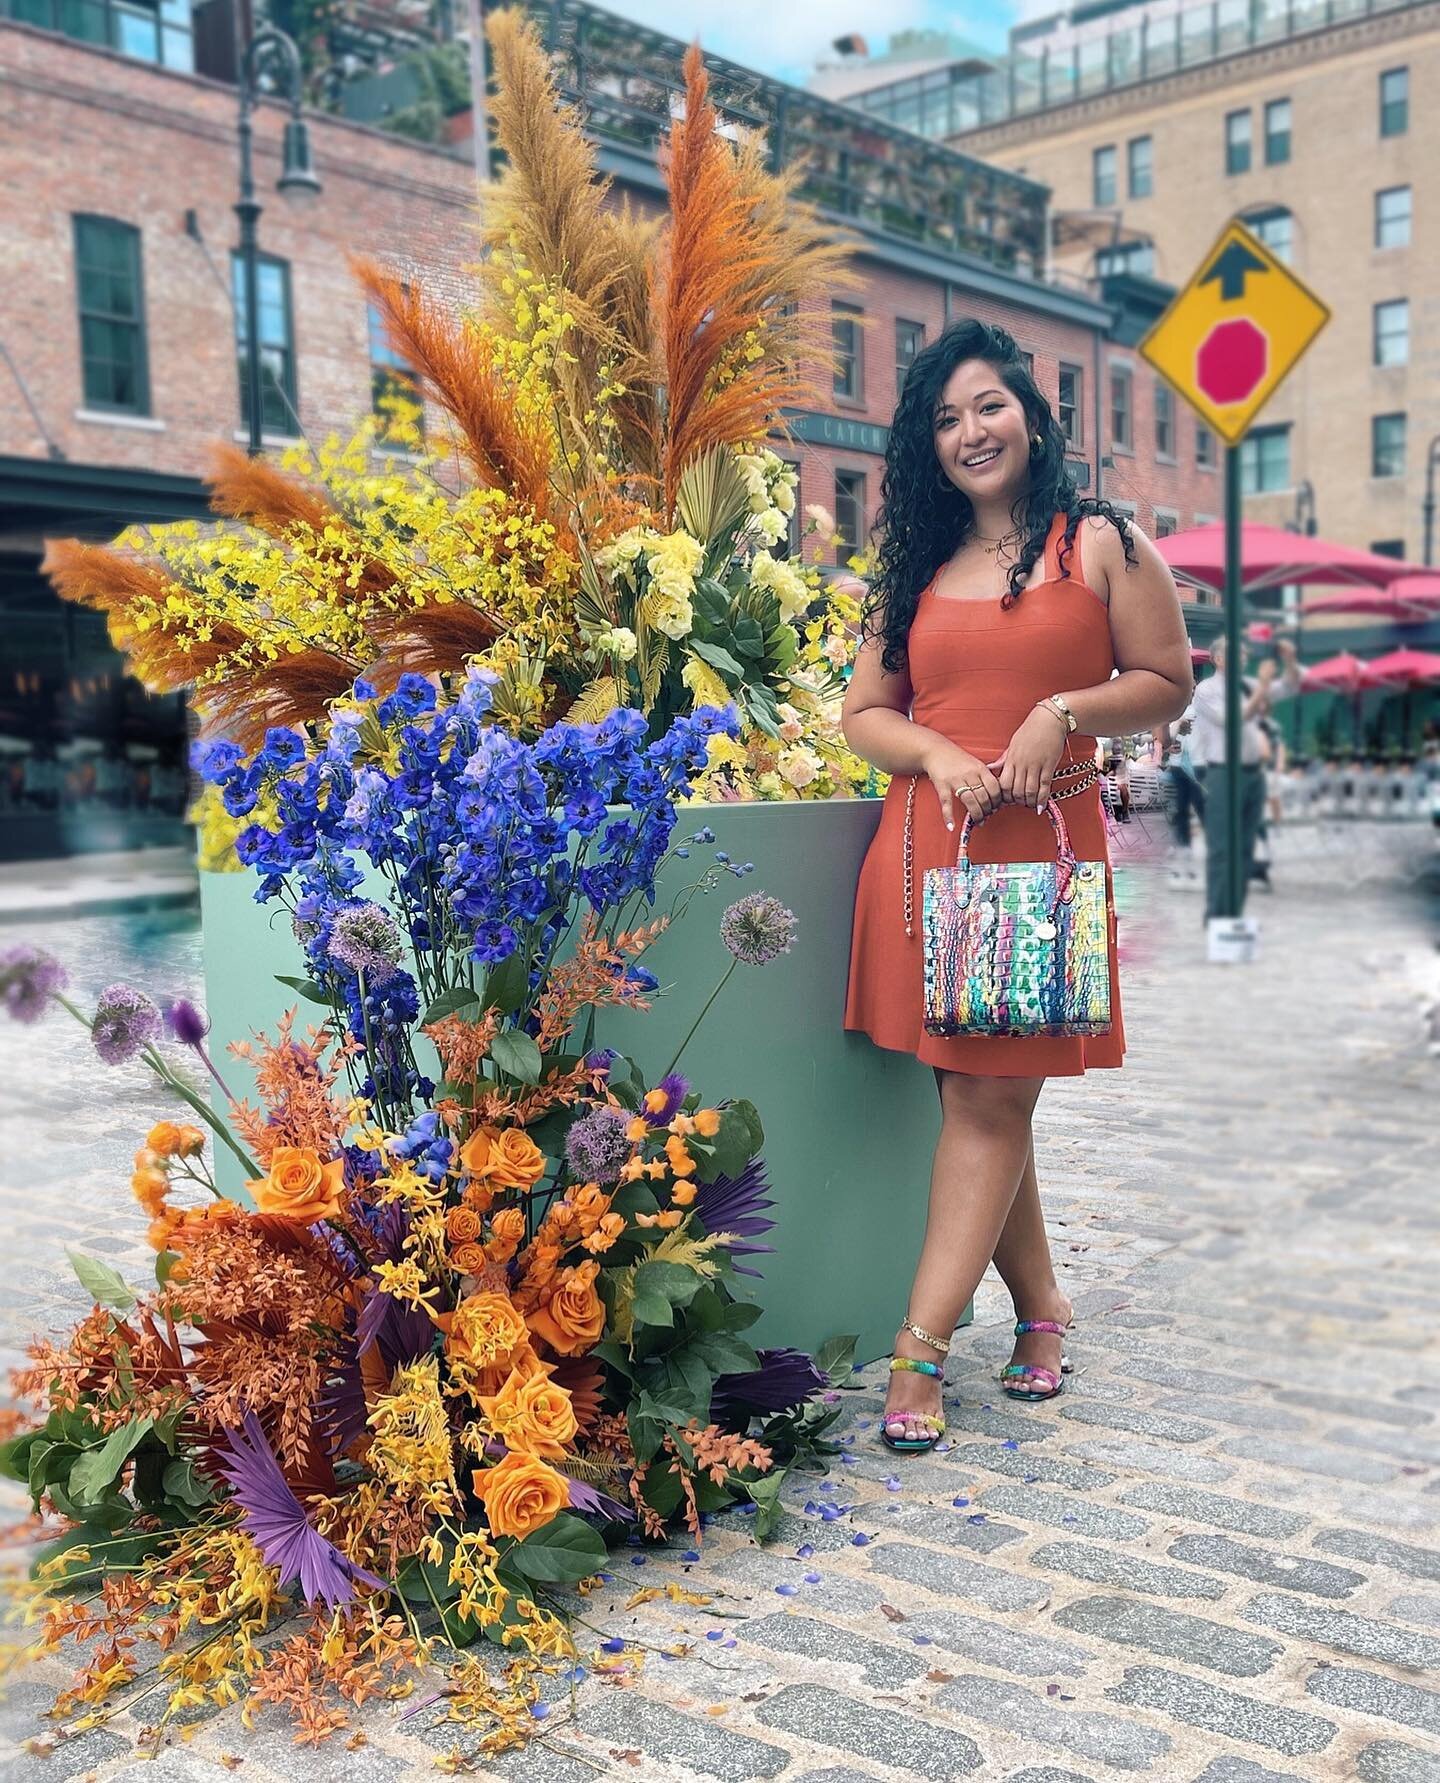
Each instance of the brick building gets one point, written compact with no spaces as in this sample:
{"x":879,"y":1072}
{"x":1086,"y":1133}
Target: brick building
{"x":118,"y":345}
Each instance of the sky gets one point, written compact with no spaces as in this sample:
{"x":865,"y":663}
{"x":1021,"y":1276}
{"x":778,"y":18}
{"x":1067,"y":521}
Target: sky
{"x":784,"y":38}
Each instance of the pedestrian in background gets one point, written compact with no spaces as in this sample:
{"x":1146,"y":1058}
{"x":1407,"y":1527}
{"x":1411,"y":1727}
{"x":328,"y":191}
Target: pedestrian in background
{"x":1183,"y":794}
{"x":1256,"y":699}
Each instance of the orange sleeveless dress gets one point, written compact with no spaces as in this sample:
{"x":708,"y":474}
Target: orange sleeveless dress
{"x":976,"y":669}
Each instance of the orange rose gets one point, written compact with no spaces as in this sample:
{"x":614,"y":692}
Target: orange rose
{"x":469,"y":1259}
{"x":532,"y":1414}
{"x":520,"y":1494}
{"x":299,"y":1187}
{"x":484,"y":1328}
{"x":172,"y":1140}
{"x":591,"y":1203}
{"x":462,"y":1225}
{"x":151,"y":1188}
{"x":505,"y":1160}
{"x":478,"y":1196}
{"x":574,"y":1316}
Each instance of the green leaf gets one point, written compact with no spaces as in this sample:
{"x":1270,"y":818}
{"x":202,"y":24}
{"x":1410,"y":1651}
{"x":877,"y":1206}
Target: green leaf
{"x":165,"y":1266}
{"x":783,"y":647}
{"x":561,"y":1551}
{"x":15,"y":1455}
{"x":105,"y":1286}
{"x":686,"y":1378}
{"x":182,"y":1483}
{"x":614,"y":1354}
{"x":458,"y":1000}
{"x":731,"y":1150}
{"x":719,"y":659}
{"x":836,"y":1356}
{"x":740,"y":1315}
{"x":676,"y":1282}
{"x":761,"y":706}
{"x":726,"y":1353}
{"x":306,"y":988}
{"x":516,"y":1053}
{"x":749,"y":639}
{"x":110,"y":1511}
{"x":126,"y":1552}
{"x":508,"y":985}
{"x":632,"y":1198}
{"x":765,"y":1494}
{"x":97,"y":1468}
{"x":661,"y":1489}
{"x":652,"y":1309}
{"x":751,"y":1116}
{"x":711,"y":601}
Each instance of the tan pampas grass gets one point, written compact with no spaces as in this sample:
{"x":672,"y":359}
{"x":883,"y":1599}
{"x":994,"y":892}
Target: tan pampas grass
{"x":294,"y":690}
{"x":427,"y":640}
{"x":503,"y":451}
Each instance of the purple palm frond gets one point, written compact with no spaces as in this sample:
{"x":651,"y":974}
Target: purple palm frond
{"x":403,"y":1333}
{"x":585,"y":1497}
{"x":342,"y":1406}
{"x":276,"y":1521}
{"x":784,"y":1379}
{"x":734,"y":1204}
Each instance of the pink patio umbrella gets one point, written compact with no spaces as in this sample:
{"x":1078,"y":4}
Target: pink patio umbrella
{"x":1398,"y":602}
{"x":1422,"y":592}
{"x":1407,"y":668}
{"x":1271,"y":557}
{"x":1344,"y":674}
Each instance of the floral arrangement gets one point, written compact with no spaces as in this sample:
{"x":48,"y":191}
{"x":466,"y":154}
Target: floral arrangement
{"x":597,"y":516}
{"x":481,"y":1314}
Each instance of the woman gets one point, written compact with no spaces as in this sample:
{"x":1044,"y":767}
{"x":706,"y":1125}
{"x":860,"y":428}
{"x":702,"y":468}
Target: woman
{"x":996,"y":593}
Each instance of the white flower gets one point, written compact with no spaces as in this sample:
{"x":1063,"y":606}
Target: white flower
{"x":669,"y":613}
{"x":622,"y":552}
{"x":836,"y":650}
{"x":791,"y":729}
{"x":772,"y":526}
{"x":800,"y":766}
{"x":783,"y":495}
{"x":784,"y":582}
{"x":619,"y":641}
{"x":820,"y":518}
{"x":752,"y":471}
{"x":769,"y":785}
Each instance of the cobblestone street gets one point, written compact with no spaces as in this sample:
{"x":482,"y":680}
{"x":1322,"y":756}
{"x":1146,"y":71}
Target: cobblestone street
{"x":1214,"y":1559}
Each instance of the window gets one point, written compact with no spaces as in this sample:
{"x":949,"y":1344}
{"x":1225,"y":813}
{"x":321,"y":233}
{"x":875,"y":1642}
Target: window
{"x":849,"y":364}
{"x":278,"y":400}
{"x":1276,"y":228}
{"x":112,"y":316}
{"x":1388,"y":548}
{"x":909,"y":339}
{"x":849,"y":513}
{"x":1140,"y":157}
{"x":1122,"y":408}
{"x":1166,"y":523}
{"x":148,"y":30}
{"x":1137,"y":257}
{"x":1105,"y":183}
{"x":1392,"y":332}
{"x":1204,"y":447}
{"x":1277,"y":132}
{"x":390,"y":376}
{"x":1029,"y":362}
{"x":1164,"y":421}
{"x":1387,"y":445}
{"x":1070,"y":416}
{"x":1265,"y":460}
{"x":1392,"y":217}
{"x":1237,"y":142}
{"x":1395,"y":102}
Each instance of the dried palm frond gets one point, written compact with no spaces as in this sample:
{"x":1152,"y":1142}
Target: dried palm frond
{"x":132,"y":594}
{"x":584,"y":1380}
{"x":732,"y":258}
{"x":595,"y":701}
{"x":711,"y":496}
{"x":505,"y":451}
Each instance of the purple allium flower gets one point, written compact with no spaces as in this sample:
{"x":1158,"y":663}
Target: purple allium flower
{"x":125,"y":1021}
{"x":758,"y":928}
{"x":28,"y":975}
{"x":367,"y":939}
{"x":188,"y":1023}
{"x":277,"y":1523}
{"x":596,"y":1146}
{"x":660,"y":1105}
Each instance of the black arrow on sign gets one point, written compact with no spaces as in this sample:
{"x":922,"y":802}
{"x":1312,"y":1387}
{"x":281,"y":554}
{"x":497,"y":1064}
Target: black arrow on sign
{"x":1230,"y":266}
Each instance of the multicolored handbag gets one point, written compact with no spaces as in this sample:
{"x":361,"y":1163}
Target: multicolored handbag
{"x":1017,"y":947}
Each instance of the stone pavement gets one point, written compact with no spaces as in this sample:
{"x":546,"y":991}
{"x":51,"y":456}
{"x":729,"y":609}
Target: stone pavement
{"x":1215,"y":1559}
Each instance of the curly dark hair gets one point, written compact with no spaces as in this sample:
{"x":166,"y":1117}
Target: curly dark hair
{"x":923,"y":519}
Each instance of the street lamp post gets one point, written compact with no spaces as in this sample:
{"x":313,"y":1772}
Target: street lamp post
{"x":297,"y":180}
{"x":1432,"y":458}
{"x":1303,"y":522}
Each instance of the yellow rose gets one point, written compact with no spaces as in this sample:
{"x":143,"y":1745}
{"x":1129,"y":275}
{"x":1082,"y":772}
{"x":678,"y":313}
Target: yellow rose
{"x":520,"y":1494}
{"x":532,"y":1414}
{"x":299,"y":1187}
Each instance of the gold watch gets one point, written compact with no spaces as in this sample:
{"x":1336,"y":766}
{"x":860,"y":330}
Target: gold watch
{"x":1060,"y":709}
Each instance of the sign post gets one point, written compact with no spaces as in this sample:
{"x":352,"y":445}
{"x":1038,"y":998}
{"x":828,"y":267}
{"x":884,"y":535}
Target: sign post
{"x":1225,"y":343}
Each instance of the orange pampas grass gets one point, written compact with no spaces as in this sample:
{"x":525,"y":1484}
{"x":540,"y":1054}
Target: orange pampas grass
{"x":456,"y":363}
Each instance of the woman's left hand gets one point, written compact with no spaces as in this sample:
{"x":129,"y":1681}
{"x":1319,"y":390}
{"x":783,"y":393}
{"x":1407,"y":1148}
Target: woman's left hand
{"x":1027,"y":762}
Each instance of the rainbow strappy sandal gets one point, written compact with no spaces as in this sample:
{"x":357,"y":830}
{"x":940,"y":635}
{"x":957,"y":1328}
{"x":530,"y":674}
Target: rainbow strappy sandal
{"x":1032,"y":1370}
{"x":913,"y":1445}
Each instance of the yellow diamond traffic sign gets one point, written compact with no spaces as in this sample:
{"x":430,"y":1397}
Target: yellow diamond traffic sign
{"x":1234,"y":332}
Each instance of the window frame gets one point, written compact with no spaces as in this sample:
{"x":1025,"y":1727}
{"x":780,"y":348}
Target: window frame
{"x":1165,"y":416}
{"x":852,"y":314}
{"x":1390,"y":107}
{"x":1239,"y":156}
{"x":1274,"y":157}
{"x":1381,"y":223}
{"x":1144,"y":187}
{"x":1077,"y":405}
{"x":1206,"y":457}
{"x":845,"y":550}
{"x":1377,"y":475}
{"x":135,"y":241}
{"x":290,"y":386}
{"x":1256,"y":221}
{"x":902,"y":366}
{"x":1122,"y":439}
{"x":1102,"y":179}
{"x":1167,"y":522}
{"x":1379,"y":335}
{"x":1255,"y":441}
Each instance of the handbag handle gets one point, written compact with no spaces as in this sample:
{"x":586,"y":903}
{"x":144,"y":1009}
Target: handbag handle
{"x":1064,"y":853}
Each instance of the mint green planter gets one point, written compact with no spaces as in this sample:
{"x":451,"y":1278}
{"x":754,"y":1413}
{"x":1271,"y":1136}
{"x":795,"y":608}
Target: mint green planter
{"x":849,"y":1129}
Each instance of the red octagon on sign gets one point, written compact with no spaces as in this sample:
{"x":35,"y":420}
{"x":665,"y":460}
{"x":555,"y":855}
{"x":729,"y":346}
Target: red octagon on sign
{"x":1231,"y":362}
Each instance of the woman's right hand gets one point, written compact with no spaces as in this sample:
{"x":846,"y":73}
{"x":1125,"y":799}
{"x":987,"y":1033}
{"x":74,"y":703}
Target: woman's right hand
{"x":962,"y":783}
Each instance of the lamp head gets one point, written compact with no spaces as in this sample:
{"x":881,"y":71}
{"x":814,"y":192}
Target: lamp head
{"x":298,"y":179}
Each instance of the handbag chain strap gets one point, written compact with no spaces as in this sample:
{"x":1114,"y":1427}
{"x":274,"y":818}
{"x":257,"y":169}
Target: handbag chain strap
{"x":1087,"y":774}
